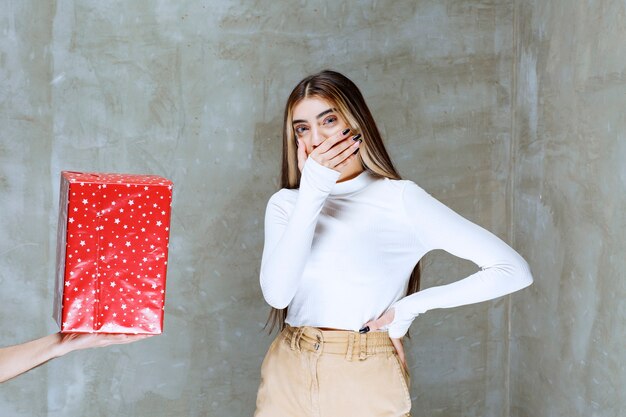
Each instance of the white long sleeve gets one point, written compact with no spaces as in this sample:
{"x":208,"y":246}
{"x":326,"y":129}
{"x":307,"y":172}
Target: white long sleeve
{"x":288,"y":235}
{"x":341,"y":254}
{"x":502,"y":270}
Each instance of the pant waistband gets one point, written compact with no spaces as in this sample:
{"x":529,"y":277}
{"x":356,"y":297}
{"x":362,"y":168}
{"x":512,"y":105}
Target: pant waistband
{"x":337,"y":342}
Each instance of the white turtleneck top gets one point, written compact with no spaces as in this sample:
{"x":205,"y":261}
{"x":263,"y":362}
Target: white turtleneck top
{"x":341,"y":254}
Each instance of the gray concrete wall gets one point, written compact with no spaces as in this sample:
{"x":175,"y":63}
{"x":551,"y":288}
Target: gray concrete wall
{"x":194,"y":91}
{"x":568,"y":355}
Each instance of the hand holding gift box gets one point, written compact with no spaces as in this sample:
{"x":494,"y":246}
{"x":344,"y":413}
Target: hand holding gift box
{"x":17,"y":359}
{"x":112,"y":252}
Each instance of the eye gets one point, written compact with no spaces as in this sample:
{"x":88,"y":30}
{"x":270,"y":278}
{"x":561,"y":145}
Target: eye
{"x":330,"y":120}
{"x":300,"y":130}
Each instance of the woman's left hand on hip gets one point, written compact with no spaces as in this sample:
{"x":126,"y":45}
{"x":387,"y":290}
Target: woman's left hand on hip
{"x":381,"y":322}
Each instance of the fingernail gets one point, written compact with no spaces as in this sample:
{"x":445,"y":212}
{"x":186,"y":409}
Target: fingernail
{"x":357,"y":137}
{"x":364,"y":329}
{"x":345,"y":132}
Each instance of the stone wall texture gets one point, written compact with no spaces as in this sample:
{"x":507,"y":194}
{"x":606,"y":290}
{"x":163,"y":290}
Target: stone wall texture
{"x":569,"y":177}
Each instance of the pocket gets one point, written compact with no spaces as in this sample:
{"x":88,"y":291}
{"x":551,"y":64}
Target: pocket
{"x":403,"y":375}
{"x":405,"y":370}
{"x":277,"y":339}
{"x":271,"y":348}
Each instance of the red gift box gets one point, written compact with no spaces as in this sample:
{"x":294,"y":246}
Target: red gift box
{"x":112,"y":252}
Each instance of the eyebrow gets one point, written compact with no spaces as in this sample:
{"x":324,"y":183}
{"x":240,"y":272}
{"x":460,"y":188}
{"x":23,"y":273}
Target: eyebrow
{"x":324,"y":113}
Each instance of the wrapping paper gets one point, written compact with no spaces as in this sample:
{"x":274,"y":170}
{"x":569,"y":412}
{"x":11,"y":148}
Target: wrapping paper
{"x":112,"y":249}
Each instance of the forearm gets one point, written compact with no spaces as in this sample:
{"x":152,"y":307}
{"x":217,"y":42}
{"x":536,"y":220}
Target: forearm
{"x":289,"y":235}
{"x":15,"y":360}
{"x":484,"y":285}
{"x":282,"y":268}
{"x":487,"y":284}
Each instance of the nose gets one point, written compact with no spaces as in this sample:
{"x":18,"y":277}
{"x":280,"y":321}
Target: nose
{"x":316,"y":137}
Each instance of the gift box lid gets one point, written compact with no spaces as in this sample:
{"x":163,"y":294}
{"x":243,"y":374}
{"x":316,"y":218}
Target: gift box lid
{"x":113,"y":178}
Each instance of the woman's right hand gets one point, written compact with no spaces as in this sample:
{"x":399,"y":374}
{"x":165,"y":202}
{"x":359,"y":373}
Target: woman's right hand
{"x":335,"y":152}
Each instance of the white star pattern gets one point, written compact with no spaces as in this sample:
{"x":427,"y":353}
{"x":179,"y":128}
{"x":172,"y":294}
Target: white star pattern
{"x":97,"y":276}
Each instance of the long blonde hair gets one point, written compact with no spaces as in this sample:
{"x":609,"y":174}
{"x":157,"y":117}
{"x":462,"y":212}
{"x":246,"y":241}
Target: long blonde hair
{"x":337,"y":89}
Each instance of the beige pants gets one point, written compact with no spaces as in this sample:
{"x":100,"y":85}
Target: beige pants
{"x":326,"y":373}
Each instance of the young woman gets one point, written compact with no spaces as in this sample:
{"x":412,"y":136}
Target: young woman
{"x":343,"y":238}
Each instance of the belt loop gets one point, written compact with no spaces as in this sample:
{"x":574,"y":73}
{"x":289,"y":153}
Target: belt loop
{"x":350,"y":347}
{"x":300,"y":334}
{"x":362,"y":346}
{"x":295,"y":338}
